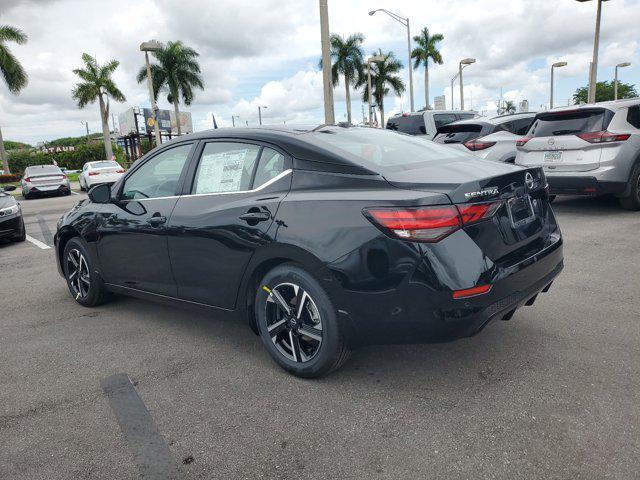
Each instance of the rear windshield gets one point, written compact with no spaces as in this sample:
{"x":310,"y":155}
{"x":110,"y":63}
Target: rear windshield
{"x":466,"y":116}
{"x":411,"y":124}
{"x":571,"y":122}
{"x":382,"y":150}
{"x":458,"y":133}
{"x":104,"y":164}
{"x":44,"y":169}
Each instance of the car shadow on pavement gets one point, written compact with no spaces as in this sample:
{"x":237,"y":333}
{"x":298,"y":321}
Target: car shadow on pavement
{"x":495,"y":353}
{"x":593,"y":206}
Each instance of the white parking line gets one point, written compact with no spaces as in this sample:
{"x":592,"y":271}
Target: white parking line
{"x":75,"y":193}
{"x":38,"y":243}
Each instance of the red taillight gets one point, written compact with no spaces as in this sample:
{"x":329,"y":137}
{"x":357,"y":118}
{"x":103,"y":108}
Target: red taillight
{"x":521,"y":141}
{"x":475,"y":145}
{"x":604,"y":137}
{"x":26,"y":179}
{"x":120,"y":171}
{"x":429,"y":224}
{"x":471,"y":292}
{"x":91,"y":174}
{"x":64,"y":177}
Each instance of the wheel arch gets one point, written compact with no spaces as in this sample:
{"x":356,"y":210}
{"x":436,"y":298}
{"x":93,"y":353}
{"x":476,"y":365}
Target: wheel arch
{"x":264,"y":261}
{"x":64,"y":235}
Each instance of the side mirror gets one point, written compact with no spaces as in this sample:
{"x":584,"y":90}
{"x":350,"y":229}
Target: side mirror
{"x":100,"y":193}
{"x":9,"y":188}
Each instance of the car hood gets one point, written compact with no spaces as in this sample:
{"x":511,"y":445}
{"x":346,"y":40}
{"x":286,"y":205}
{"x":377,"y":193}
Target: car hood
{"x":6,"y":200}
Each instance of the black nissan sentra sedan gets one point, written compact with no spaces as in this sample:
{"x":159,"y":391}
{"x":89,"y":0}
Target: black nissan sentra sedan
{"x":323,"y":238}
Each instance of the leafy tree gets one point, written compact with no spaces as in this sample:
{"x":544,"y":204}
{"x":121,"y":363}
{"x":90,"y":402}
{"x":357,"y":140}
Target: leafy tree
{"x":14,"y":75}
{"x":384,"y":80}
{"x":427,"y":49}
{"x":347,"y":59}
{"x":9,"y":145}
{"x":507,"y":107}
{"x":98,"y":85}
{"x":176,"y":71}
{"x":604,"y":92}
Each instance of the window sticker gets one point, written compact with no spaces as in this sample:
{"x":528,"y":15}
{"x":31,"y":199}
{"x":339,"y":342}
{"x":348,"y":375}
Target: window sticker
{"x":221,"y":171}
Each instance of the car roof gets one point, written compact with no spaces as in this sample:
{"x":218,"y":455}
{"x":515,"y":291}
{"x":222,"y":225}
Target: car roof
{"x":511,"y":116}
{"x":609,"y":104}
{"x":293,"y":139}
{"x":33,"y":167}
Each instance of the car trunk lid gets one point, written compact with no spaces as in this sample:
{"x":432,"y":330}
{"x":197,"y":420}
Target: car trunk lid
{"x":521,"y":223}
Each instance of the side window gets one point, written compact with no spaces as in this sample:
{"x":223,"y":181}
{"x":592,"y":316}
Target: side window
{"x":521,"y":127}
{"x":159,"y":176}
{"x":504,"y":127}
{"x":225,"y":167}
{"x":271,"y":164}
{"x":633,"y":116}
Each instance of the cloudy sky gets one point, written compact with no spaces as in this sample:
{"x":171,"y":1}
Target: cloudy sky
{"x":265,"y":52}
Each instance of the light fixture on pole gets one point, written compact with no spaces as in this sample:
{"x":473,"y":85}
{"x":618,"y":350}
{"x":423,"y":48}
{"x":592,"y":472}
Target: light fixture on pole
{"x":463,"y":63}
{"x":615,"y":82}
{"x":327,"y":84}
{"x":260,"y":113}
{"x":555,"y":65}
{"x":405,"y":22}
{"x":233,"y":119}
{"x":374,"y":58}
{"x":593,"y":71}
{"x":146,"y":47}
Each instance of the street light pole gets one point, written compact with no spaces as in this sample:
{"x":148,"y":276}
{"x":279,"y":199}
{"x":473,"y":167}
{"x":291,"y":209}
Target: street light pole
{"x":233,"y":119}
{"x":374,"y":58}
{"x":146,"y":47}
{"x":329,"y":115}
{"x":593,"y":71}
{"x":555,"y":65}
{"x":86,"y":124}
{"x":615,"y":82}
{"x":465,"y":62}
{"x":405,"y":22}
{"x":260,"y":113}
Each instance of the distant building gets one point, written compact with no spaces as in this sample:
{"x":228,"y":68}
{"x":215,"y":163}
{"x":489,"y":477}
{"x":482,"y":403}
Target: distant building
{"x":439,"y":103}
{"x":524,"y":106}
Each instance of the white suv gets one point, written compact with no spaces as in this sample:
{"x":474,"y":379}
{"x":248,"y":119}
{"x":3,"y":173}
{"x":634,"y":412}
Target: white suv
{"x":591,"y":149}
{"x":427,"y":122}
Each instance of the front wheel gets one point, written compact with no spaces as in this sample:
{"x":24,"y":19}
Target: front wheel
{"x":84,"y":284}
{"x":632,"y":201}
{"x":298,"y":324}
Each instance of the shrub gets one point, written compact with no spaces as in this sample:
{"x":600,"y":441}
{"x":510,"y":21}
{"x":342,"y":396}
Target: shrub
{"x":9,"y":178}
{"x":71,"y":160}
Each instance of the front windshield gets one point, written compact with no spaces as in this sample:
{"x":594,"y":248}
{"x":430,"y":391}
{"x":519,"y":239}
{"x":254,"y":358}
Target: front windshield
{"x":383,"y":150}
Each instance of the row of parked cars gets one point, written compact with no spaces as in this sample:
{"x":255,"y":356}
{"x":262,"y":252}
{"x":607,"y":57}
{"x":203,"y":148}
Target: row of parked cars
{"x":591,"y":149}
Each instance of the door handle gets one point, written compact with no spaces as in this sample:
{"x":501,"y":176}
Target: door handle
{"x":255,"y":217}
{"x":155,"y":221}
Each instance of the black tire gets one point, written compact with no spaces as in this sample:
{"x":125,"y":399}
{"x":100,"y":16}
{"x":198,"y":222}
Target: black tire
{"x":22,"y":237}
{"x":551,"y":198}
{"x":632,"y":201}
{"x":89,"y":294}
{"x":319,"y":354}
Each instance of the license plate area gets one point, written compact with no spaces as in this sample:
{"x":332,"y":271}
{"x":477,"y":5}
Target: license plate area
{"x":551,"y":157}
{"x":520,"y":210}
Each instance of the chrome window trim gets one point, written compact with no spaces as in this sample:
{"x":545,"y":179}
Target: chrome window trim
{"x":261,"y":187}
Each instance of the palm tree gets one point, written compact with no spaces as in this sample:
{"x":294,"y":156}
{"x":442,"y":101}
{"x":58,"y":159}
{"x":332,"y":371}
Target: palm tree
{"x":384,"y":80}
{"x":508,"y":107}
{"x":98,"y":85}
{"x":14,"y":75}
{"x":426,"y":49}
{"x":176,"y":71}
{"x":347,"y":59}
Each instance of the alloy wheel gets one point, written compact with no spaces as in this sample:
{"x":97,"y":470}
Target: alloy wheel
{"x":293,"y":322}
{"x":78,"y":273}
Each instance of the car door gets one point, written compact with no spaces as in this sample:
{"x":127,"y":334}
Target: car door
{"x":236,"y":189}
{"x":131,"y":230}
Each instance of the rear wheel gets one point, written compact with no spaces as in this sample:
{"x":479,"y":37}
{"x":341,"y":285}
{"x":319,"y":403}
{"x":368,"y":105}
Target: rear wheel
{"x":632,"y":201}
{"x":551,"y":198}
{"x":298,"y":324}
{"x":84,"y":284}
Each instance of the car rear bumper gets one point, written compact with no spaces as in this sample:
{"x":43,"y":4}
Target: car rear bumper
{"x":583,"y":185}
{"x":421,"y":309}
{"x":47,"y":189}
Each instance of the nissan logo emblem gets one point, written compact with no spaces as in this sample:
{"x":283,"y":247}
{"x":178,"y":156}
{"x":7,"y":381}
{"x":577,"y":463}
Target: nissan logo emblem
{"x":551,"y":141}
{"x":528,"y":181}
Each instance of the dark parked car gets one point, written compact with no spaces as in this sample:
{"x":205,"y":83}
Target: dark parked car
{"x":11,"y":221}
{"x":323,"y":238}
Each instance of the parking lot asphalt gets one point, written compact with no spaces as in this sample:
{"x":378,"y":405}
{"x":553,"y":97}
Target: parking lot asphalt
{"x":554,"y":393}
